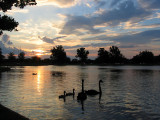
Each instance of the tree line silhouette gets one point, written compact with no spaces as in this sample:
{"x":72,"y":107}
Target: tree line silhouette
{"x":58,"y":57}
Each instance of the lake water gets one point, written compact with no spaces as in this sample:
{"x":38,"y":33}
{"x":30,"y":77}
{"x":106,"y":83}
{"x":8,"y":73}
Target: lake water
{"x":128,"y":92}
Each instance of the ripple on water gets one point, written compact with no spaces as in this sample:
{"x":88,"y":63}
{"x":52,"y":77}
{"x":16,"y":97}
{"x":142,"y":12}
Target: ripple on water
{"x":128,"y":92}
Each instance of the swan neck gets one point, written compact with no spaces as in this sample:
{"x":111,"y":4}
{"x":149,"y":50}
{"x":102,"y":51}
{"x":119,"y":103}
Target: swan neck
{"x":82,"y":86}
{"x":100,"y":87}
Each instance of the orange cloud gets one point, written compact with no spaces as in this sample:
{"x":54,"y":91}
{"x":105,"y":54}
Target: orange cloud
{"x":59,"y":3}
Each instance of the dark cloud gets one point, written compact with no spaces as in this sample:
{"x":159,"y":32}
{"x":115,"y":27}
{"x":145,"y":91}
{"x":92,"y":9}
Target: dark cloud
{"x":88,"y":45}
{"x":138,"y":38}
{"x":57,"y":38}
{"x":5,"y":39}
{"x":6,"y":50}
{"x":49,"y":40}
{"x":9,"y":43}
{"x":100,"y":3}
{"x":100,"y":37}
{"x":150,"y":4}
{"x":7,"y":46}
{"x":75,"y":23}
{"x":126,"y":11}
{"x":127,"y":46}
{"x":114,"y":2}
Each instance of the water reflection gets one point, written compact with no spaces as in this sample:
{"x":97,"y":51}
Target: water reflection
{"x":82,"y":103}
{"x":39,"y":81}
{"x":127,"y":92}
{"x":100,"y":95}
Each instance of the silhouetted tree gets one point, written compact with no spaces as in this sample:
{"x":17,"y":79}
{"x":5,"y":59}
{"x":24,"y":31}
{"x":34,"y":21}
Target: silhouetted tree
{"x":1,"y":56}
{"x":157,"y":59}
{"x":103,"y":56}
{"x":74,"y":61}
{"x":21,"y":56}
{"x":136,"y":59}
{"x":68,"y":60}
{"x":82,"y":54}
{"x":11,"y":57}
{"x":35,"y":59}
{"x":47,"y":61}
{"x":116,"y":56}
{"x":8,"y":23}
{"x":144,"y":57}
{"x":58,"y":55}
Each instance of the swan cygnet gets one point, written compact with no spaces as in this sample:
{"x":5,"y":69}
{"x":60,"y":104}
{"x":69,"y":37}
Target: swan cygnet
{"x":71,"y":94}
{"x":63,"y":96}
{"x":94,"y":92}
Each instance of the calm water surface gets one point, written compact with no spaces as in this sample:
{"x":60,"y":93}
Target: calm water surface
{"x":128,"y":92}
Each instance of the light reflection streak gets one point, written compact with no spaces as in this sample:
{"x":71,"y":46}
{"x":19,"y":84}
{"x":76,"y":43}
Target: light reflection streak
{"x":39,"y":81}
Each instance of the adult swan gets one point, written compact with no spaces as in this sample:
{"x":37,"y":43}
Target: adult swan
{"x":94,"y":92}
{"x":82,"y":95}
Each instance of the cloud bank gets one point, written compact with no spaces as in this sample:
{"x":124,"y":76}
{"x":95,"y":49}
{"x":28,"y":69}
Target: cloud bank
{"x":5,"y":39}
{"x":144,"y":37}
{"x":126,"y":12}
{"x":7,"y":46}
{"x":150,"y":4}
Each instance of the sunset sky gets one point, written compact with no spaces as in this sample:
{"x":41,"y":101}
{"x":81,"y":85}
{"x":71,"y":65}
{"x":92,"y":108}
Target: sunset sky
{"x":132,"y":25}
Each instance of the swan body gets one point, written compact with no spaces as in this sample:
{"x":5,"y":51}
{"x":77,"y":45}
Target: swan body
{"x":34,"y":73}
{"x":70,"y":94}
{"x":94,"y":92}
{"x":57,"y":74}
{"x":82,"y":95}
{"x":63,"y":96}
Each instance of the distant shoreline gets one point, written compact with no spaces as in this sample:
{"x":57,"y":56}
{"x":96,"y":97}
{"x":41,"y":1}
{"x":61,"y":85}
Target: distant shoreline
{"x":8,"y":114}
{"x":6,"y":67}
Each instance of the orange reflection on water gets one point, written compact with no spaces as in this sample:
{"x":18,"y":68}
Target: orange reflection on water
{"x":39,"y":80}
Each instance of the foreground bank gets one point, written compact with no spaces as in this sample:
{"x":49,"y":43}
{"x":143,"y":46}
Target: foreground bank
{"x":7,"y":114}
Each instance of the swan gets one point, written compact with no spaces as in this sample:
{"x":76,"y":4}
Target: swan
{"x":63,"y":96}
{"x":94,"y":92}
{"x":82,"y":95}
{"x":34,"y":73}
{"x":70,"y":94}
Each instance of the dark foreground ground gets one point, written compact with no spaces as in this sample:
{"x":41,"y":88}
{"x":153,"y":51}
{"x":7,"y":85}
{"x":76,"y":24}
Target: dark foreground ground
{"x":7,"y":114}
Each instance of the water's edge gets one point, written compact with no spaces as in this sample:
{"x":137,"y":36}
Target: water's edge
{"x":8,"y":114}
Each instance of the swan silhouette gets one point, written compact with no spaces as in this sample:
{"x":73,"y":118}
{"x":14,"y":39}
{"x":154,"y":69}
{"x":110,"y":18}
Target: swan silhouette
{"x":34,"y":73}
{"x":63,"y":96}
{"x":70,"y":94}
{"x":94,"y":92}
{"x":82,"y":95}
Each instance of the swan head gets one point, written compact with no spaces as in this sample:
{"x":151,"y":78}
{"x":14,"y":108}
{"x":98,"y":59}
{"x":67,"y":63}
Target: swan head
{"x":82,"y":80}
{"x":64,"y":92}
{"x":100,"y":81}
